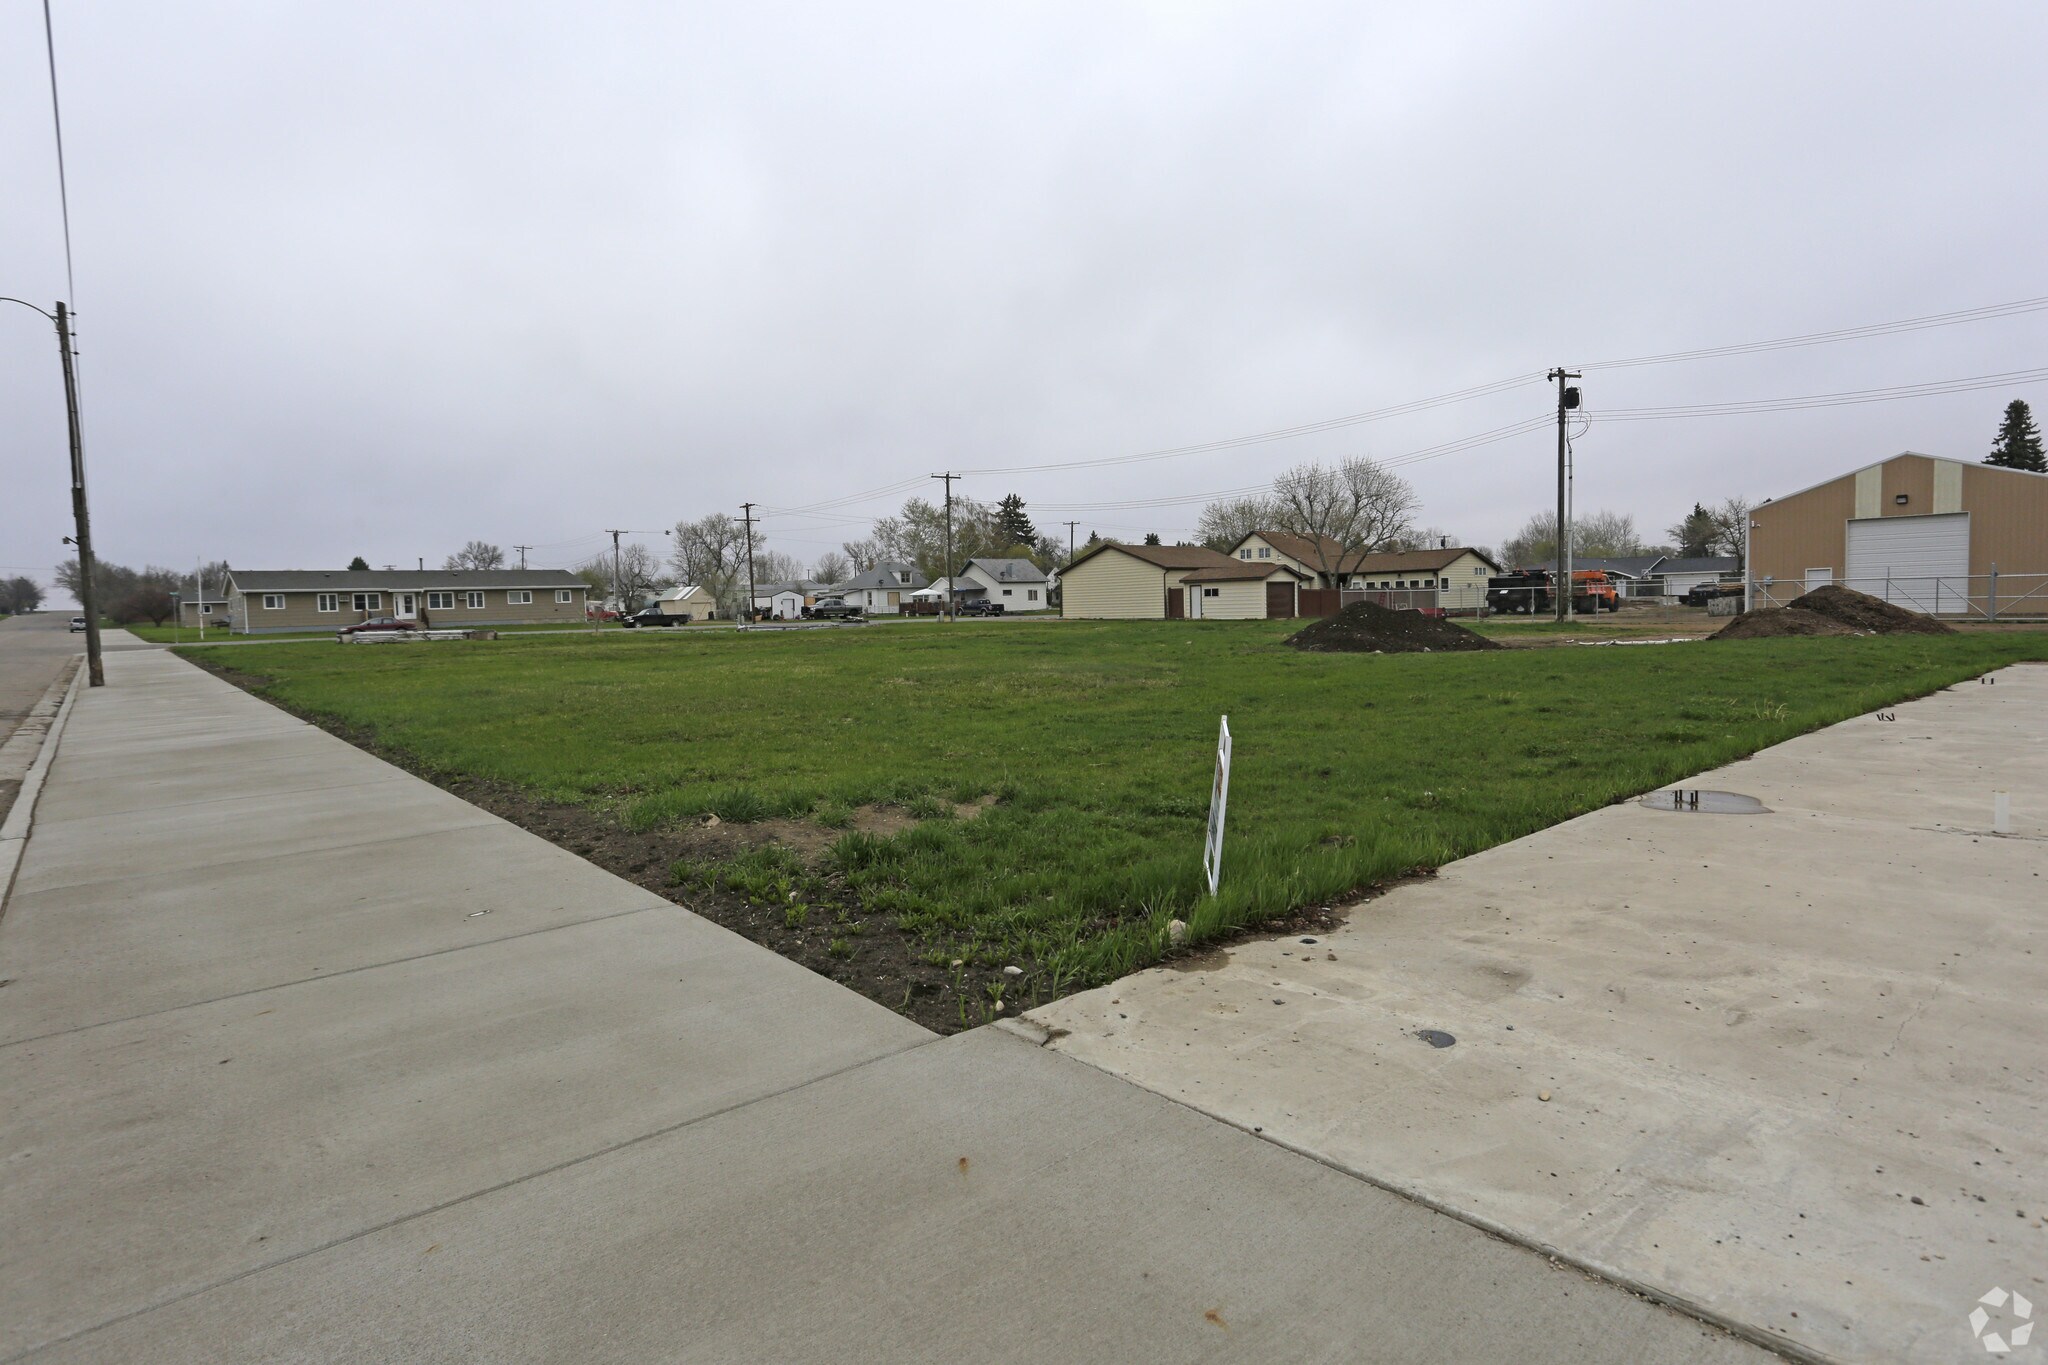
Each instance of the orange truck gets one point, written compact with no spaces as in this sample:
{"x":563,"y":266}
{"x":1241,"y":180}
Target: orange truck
{"x":1592,"y":591}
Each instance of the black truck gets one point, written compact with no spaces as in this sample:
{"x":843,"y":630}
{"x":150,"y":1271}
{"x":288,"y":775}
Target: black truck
{"x":653,"y":615}
{"x":1523,"y":590}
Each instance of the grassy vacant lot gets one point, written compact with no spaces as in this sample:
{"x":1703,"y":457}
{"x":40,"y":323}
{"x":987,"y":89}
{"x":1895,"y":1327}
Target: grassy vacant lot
{"x":1097,"y":741}
{"x":189,"y":635}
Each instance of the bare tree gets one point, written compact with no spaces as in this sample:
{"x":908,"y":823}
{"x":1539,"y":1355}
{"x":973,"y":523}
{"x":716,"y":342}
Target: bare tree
{"x":917,"y":535}
{"x":1731,"y":522}
{"x":862,"y":555}
{"x":1225,"y":523}
{"x":831,"y":567}
{"x":773,"y":566}
{"x":1354,"y":509}
{"x":478,"y":554}
{"x":712,"y":554}
{"x":1596,"y":534}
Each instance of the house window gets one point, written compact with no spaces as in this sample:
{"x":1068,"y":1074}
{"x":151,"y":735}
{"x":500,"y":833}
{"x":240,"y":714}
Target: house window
{"x":440,"y":601}
{"x":519,"y":597}
{"x":1244,"y":554}
{"x":1265,"y":552}
{"x":562,"y":595}
{"x":1006,"y":592}
{"x":1212,"y":592}
{"x":1444,"y":583}
{"x":327,"y":601}
{"x":273,"y":601}
{"x":902,"y":577}
{"x":1031,"y":594}
{"x":476,"y":601}
{"x":368,"y":601}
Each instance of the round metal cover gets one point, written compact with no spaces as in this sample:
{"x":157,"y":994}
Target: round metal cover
{"x":1692,"y":801}
{"x":1435,"y":1037}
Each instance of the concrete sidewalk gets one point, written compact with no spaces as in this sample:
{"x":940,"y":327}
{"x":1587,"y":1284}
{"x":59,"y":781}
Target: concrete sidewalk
{"x":1789,"y":1068}
{"x":307,"y":1059}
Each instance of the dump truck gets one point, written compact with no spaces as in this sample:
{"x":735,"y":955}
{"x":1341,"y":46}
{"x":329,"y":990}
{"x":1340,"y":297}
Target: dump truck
{"x":1530,"y":591}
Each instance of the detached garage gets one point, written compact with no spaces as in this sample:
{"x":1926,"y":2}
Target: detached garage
{"x":1939,"y":536}
{"x":1113,"y":581}
{"x":1242,"y":592}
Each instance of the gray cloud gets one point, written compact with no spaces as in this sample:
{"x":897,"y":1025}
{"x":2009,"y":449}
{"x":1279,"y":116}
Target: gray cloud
{"x":380,"y":278}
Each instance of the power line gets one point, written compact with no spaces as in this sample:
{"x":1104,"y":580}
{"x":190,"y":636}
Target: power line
{"x":1887,"y":394}
{"x":57,"y":126}
{"x":1875,"y":329}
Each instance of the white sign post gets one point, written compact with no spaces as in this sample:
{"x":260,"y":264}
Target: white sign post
{"x":1219,"y":796}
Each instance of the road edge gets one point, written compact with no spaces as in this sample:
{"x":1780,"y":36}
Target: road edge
{"x":20,"y":820}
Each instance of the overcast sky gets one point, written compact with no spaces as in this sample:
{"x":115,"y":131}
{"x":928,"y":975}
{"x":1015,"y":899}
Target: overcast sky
{"x":377,"y":278}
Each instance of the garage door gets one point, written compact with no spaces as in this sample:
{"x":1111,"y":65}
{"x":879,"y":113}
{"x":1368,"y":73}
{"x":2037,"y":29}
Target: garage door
{"x":1918,"y":562}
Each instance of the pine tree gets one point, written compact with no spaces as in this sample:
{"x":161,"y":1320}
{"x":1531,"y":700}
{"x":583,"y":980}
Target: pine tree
{"x":1015,"y":526}
{"x":358,"y":564}
{"x":1151,"y":537}
{"x":2019,"y":441}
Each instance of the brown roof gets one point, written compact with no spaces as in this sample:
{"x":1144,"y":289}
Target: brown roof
{"x":1237,"y":572}
{"x":1319,"y":550}
{"x":1164,"y":556}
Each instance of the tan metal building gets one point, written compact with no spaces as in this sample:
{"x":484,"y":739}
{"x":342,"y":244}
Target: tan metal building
{"x":1945,"y":537}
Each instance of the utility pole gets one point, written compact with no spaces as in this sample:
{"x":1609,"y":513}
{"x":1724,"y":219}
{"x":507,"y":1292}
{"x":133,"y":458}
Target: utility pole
{"x":1070,"y":540}
{"x":1567,"y":401}
{"x":96,"y":673}
{"x":618,"y":596}
{"x":522,"y":553}
{"x":748,"y":521}
{"x":952,"y":598}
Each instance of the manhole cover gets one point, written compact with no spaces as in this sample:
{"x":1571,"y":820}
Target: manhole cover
{"x":1435,"y":1037}
{"x":1693,"y":801}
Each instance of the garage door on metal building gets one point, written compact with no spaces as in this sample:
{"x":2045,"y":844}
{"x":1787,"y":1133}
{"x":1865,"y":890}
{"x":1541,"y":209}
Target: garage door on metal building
{"x":1922,"y":563}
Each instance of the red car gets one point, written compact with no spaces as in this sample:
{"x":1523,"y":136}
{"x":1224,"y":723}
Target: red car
{"x":381,"y":623}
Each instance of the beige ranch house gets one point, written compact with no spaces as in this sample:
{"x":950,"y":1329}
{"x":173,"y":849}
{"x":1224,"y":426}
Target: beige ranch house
{"x":264,"y":601}
{"x":1452,"y":577}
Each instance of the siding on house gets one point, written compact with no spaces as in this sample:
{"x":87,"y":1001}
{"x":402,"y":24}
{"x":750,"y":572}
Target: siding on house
{"x":1113,"y":583}
{"x":1241,"y":600}
{"x":302,"y":590}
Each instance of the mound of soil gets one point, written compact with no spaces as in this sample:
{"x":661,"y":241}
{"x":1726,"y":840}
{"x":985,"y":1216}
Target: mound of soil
{"x":1861,"y":611}
{"x":1369,"y":628}
{"x":1776,"y":623}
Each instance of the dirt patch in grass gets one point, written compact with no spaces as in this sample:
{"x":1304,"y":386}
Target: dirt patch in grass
{"x":1369,"y":628}
{"x":1777,"y":623}
{"x":823,"y":928}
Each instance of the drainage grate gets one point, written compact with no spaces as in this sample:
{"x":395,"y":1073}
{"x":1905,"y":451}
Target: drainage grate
{"x":1693,"y":801}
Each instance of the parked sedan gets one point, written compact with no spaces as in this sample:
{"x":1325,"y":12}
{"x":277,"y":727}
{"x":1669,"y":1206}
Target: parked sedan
{"x":377,"y":623}
{"x":77,"y":624}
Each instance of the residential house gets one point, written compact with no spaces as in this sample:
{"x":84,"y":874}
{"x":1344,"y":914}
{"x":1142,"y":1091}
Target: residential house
{"x":1113,"y":581}
{"x":1012,"y":584}
{"x":882,"y":590}
{"x":265,"y":601}
{"x":191,"y":611}
{"x":786,"y":601}
{"x":1451,"y":577}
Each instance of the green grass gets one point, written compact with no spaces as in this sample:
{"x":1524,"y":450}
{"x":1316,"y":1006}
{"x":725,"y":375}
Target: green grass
{"x":1098,"y":740}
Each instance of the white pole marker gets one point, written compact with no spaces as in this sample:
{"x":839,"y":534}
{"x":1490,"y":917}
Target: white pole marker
{"x":1219,"y":796}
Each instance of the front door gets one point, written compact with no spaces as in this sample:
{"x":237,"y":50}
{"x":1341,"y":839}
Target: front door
{"x":1173,"y":602}
{"x":405,"y":605}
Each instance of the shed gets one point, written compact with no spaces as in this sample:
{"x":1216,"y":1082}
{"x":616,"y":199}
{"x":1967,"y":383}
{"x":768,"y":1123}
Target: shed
{"x":1113,"y":581}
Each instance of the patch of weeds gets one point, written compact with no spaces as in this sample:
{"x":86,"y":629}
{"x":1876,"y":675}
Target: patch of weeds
{"x":833,"y":814}
{"x":925,"y":806}
{"x":840,"y":948}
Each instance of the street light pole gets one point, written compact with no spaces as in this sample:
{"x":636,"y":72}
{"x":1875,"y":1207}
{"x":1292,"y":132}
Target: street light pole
{"x":88,"y":595}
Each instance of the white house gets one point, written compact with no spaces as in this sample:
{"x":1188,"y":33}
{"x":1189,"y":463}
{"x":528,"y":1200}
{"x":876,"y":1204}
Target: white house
{"x":786,"y":601}
{"x":882,"y":590}
{"x":1012,"y":584}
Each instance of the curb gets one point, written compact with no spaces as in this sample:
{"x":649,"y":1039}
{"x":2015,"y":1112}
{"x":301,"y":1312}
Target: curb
{"x":21,"y":816}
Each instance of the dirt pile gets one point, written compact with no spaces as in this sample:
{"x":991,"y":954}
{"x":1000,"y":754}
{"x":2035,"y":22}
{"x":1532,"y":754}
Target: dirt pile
{"x":1861,"y":611}
{"x":1369,"y":628}
{"x":1832,"y":610}
{"x":1777,"y":623}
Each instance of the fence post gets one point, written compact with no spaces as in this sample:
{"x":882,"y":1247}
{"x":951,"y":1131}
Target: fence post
{"x":1993,"y":599}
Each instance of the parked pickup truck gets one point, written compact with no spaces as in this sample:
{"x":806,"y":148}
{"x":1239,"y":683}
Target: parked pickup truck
{"x":981,"y":607}
{"x":655,"y":616}
{"x":1699,"y":594}
{"x":832,"y":609}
